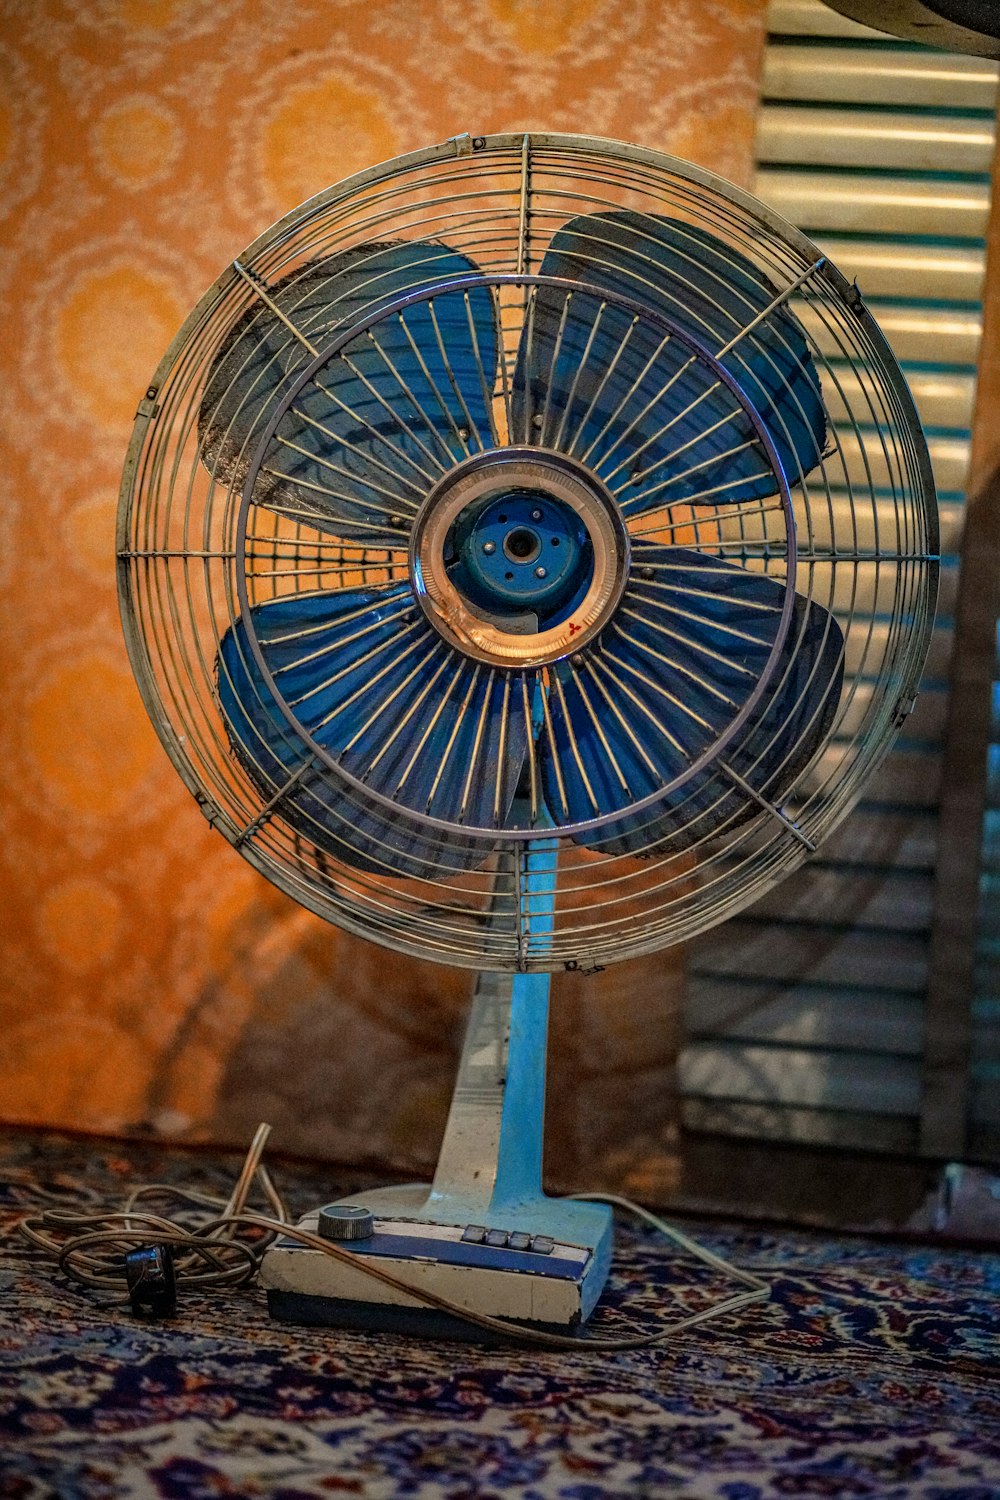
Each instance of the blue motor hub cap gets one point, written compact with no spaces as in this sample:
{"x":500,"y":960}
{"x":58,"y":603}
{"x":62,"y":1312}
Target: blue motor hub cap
{"x":519,"y":557}
{"x":524,"y":549}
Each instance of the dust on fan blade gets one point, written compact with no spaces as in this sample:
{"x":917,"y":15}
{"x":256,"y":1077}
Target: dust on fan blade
{"x":668,"y":676}
{"x":368,"y":436}
{"x":374,"y":686}
{"x":593,"y":379}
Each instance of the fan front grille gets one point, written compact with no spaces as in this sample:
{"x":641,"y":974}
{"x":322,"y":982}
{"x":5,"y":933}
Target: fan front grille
{"x":513,"y":782}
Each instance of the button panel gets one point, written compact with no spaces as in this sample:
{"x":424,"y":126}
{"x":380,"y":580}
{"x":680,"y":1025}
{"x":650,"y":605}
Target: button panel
{"x":504,"y":1239}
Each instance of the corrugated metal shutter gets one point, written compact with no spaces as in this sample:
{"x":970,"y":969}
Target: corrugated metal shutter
{"x":805,"y":1016}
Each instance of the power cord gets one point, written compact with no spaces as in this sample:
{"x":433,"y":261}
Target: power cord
{"x":212,"y":1249}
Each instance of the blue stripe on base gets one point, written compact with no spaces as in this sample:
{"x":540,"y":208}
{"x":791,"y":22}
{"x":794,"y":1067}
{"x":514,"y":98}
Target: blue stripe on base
{"x":465,"y":1253}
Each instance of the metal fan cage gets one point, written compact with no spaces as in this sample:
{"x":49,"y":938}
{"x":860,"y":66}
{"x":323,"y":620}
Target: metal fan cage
{"x":200,"y":549}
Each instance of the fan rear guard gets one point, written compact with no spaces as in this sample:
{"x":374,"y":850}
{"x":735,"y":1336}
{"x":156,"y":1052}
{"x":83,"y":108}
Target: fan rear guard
{"x":575,"y":802}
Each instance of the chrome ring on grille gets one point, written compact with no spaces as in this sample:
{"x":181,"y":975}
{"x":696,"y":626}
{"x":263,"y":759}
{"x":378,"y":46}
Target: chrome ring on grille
{"x":480,"y":632}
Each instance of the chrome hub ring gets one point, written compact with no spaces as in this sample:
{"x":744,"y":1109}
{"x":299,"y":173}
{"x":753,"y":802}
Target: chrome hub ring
{"x":540,"y":539}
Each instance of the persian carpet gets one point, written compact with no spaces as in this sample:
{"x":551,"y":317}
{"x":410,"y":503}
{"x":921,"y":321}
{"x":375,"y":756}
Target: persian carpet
{"x":873,"y":1371}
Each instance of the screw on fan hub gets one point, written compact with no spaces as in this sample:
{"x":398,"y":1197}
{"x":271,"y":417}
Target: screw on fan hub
{"x":519,"y":556}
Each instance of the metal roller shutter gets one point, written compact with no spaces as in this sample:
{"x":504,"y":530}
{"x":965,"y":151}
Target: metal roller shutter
{"x":805,"y":1018}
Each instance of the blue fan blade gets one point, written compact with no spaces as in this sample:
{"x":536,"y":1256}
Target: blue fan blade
{"x":362,"y":444}
{"x":654,"y":422}
{"x":367,"y":677}
{"x":665,"y":681}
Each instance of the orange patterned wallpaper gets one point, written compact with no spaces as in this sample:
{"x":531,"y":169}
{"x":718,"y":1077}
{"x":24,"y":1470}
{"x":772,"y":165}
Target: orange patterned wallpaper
{"x":151,"y":978}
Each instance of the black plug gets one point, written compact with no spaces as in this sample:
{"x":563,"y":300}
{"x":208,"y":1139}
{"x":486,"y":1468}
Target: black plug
{"x":152,"y":1283}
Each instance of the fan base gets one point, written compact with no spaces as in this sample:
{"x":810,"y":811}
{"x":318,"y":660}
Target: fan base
{"x":543,"y":1267}
{"x":483,"y":1235}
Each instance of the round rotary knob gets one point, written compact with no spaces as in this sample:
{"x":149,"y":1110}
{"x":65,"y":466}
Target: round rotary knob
{"x":346,"y":1221}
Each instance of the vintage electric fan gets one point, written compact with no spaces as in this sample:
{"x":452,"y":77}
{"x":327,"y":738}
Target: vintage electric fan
{"x":527,"y":551}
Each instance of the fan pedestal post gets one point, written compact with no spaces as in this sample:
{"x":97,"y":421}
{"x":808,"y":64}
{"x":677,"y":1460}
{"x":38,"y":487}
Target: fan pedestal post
{"x":484,"y":1235}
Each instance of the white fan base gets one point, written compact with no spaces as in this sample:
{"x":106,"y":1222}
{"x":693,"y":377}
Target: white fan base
{"x":488,"y":1178}
{"x":555,"y":1290}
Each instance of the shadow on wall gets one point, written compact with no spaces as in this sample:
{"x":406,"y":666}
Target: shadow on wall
{"x":354,"y":1054}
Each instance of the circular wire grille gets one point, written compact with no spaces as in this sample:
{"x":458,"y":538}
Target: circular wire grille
{"x":701,"y":365}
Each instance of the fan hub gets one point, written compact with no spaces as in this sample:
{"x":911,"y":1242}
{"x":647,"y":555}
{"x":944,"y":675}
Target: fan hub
{"x":521,"y":550}
{"x":519,"y":557}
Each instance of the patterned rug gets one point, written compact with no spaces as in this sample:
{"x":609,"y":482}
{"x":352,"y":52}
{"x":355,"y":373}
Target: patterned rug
{"x":873,"y":1371}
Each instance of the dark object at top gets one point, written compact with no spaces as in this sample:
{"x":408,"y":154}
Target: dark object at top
{"x":971,"y":26}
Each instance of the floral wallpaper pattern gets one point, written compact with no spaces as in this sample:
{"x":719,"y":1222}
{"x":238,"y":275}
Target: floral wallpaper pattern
{"x":152,"y":979}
